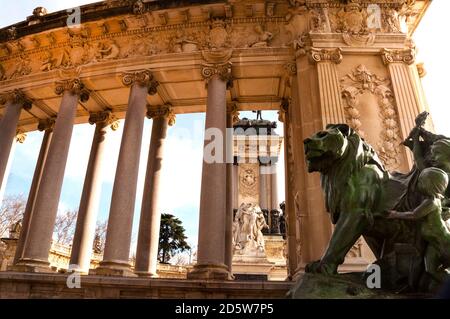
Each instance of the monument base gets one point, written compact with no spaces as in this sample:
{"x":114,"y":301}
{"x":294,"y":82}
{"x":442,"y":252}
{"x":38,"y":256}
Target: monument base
{"x":32,"y":265}
{"x":109,"y":268}
{"x":210,"y":272}
{"x":342,"y":286}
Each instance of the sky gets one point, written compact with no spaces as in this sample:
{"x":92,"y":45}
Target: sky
{"x":181,"y":176}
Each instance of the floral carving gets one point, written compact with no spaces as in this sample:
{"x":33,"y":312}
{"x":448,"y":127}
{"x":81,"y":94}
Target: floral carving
{"x":248,"y":180}
{"x":353,"y":85}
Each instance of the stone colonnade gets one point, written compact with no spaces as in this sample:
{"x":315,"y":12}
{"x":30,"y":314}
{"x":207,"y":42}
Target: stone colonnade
{"x":314,"y":100}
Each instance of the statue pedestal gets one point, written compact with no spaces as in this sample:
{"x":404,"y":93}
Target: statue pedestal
{"x":342,"y":286}
{"x":253,"y":266}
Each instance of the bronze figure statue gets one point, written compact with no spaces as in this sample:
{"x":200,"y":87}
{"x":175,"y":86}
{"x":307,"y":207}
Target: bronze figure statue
{"x":401,"y":216}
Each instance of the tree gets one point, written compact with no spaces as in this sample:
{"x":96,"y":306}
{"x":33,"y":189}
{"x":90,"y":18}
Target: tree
{"x":11,"y":211}
{"x":172,"y":239}
{"x":100,"y":236}
{"x":65,"y":227}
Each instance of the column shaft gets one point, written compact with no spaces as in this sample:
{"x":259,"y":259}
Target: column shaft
{"x":149,"y":225}
{"x":120,"y":223}
{"x":330,"y":94}
{"x":211,"y":238}
{"x":274,"y":189}
{"x":39,"y":240}
{"x":89,"y":204}
{"x":8,"y":127}
{"x":37,"y":176}
{"x":229,"y":205}
{"x":263,"y":200}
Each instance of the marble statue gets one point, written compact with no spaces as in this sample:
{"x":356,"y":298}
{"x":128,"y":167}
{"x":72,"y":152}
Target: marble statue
{"x":247,"y":229}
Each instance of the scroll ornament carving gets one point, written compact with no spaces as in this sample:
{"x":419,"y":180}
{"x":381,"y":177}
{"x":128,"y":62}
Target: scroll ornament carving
{"x":74,"y":86}
{"x":105,"y":117}
{"x":223,"y":70}
{"x":142,"y":78}
{"x":356,"y":83}
{"x":17,"y":97}
{"x":46,"y":124}
{"x":407,"y":56}
{"x":163,"y":111}
{"x":20,"y":136}
{"x":234,"y":112}
{"x":320,"y":55}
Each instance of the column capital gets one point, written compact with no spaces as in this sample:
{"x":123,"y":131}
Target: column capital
{"x":164,"y":111}
{"x":74,"y":86}
{"x":407,"y":56}
{"x":20,"y":136}
{"x":105,"y":118}
{"x":232,"y":109}
{"x":143,"y":78}
{"x":46,"y":124}
{"x":284,"y":107}
{"x":17,"y":97}
{"x":326,"y":55}
{"x":223,"y":70}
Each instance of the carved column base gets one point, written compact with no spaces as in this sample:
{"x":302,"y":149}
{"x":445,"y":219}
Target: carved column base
{"x":146,"y":274}
{"x":111,"y":268}
{"x":32,"y":265}
{"x":210,"y":272}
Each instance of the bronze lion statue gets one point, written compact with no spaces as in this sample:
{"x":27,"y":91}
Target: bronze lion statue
{"x":359,"y":193}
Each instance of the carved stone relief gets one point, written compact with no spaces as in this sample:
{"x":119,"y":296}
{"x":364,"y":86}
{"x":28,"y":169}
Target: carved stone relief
{"x":362,"y":81}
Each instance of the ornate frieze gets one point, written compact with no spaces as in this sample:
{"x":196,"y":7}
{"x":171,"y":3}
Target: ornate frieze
{"x":142,"y":78}
{"x":106,"y":118}
{"x":324,"y":55}
{"x":74,"y":86}
{"x":165,"y":111}
{"x":407,"y":56}
{"x":16,"y":97}
{"x":356,"y":83}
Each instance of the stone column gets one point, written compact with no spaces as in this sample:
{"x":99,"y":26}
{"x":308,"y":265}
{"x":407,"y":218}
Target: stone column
{"x":149,"y":224}
{"x":14,"y":101}
{"x":47,"y":127}
{"x":263,"y":198}
{"x":330,"y":94}
{"x":211,"y":238}
{"x":290,"y":180}
{"x":314,"y":227}
{"x":120,"y":222}
{"x":80,"y":257}
{"x":274,"y":189}
{"x":232,"y":117}
{"x":235,"y":181}
{"x":406,"y":94}
{"x":37,"y":246}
